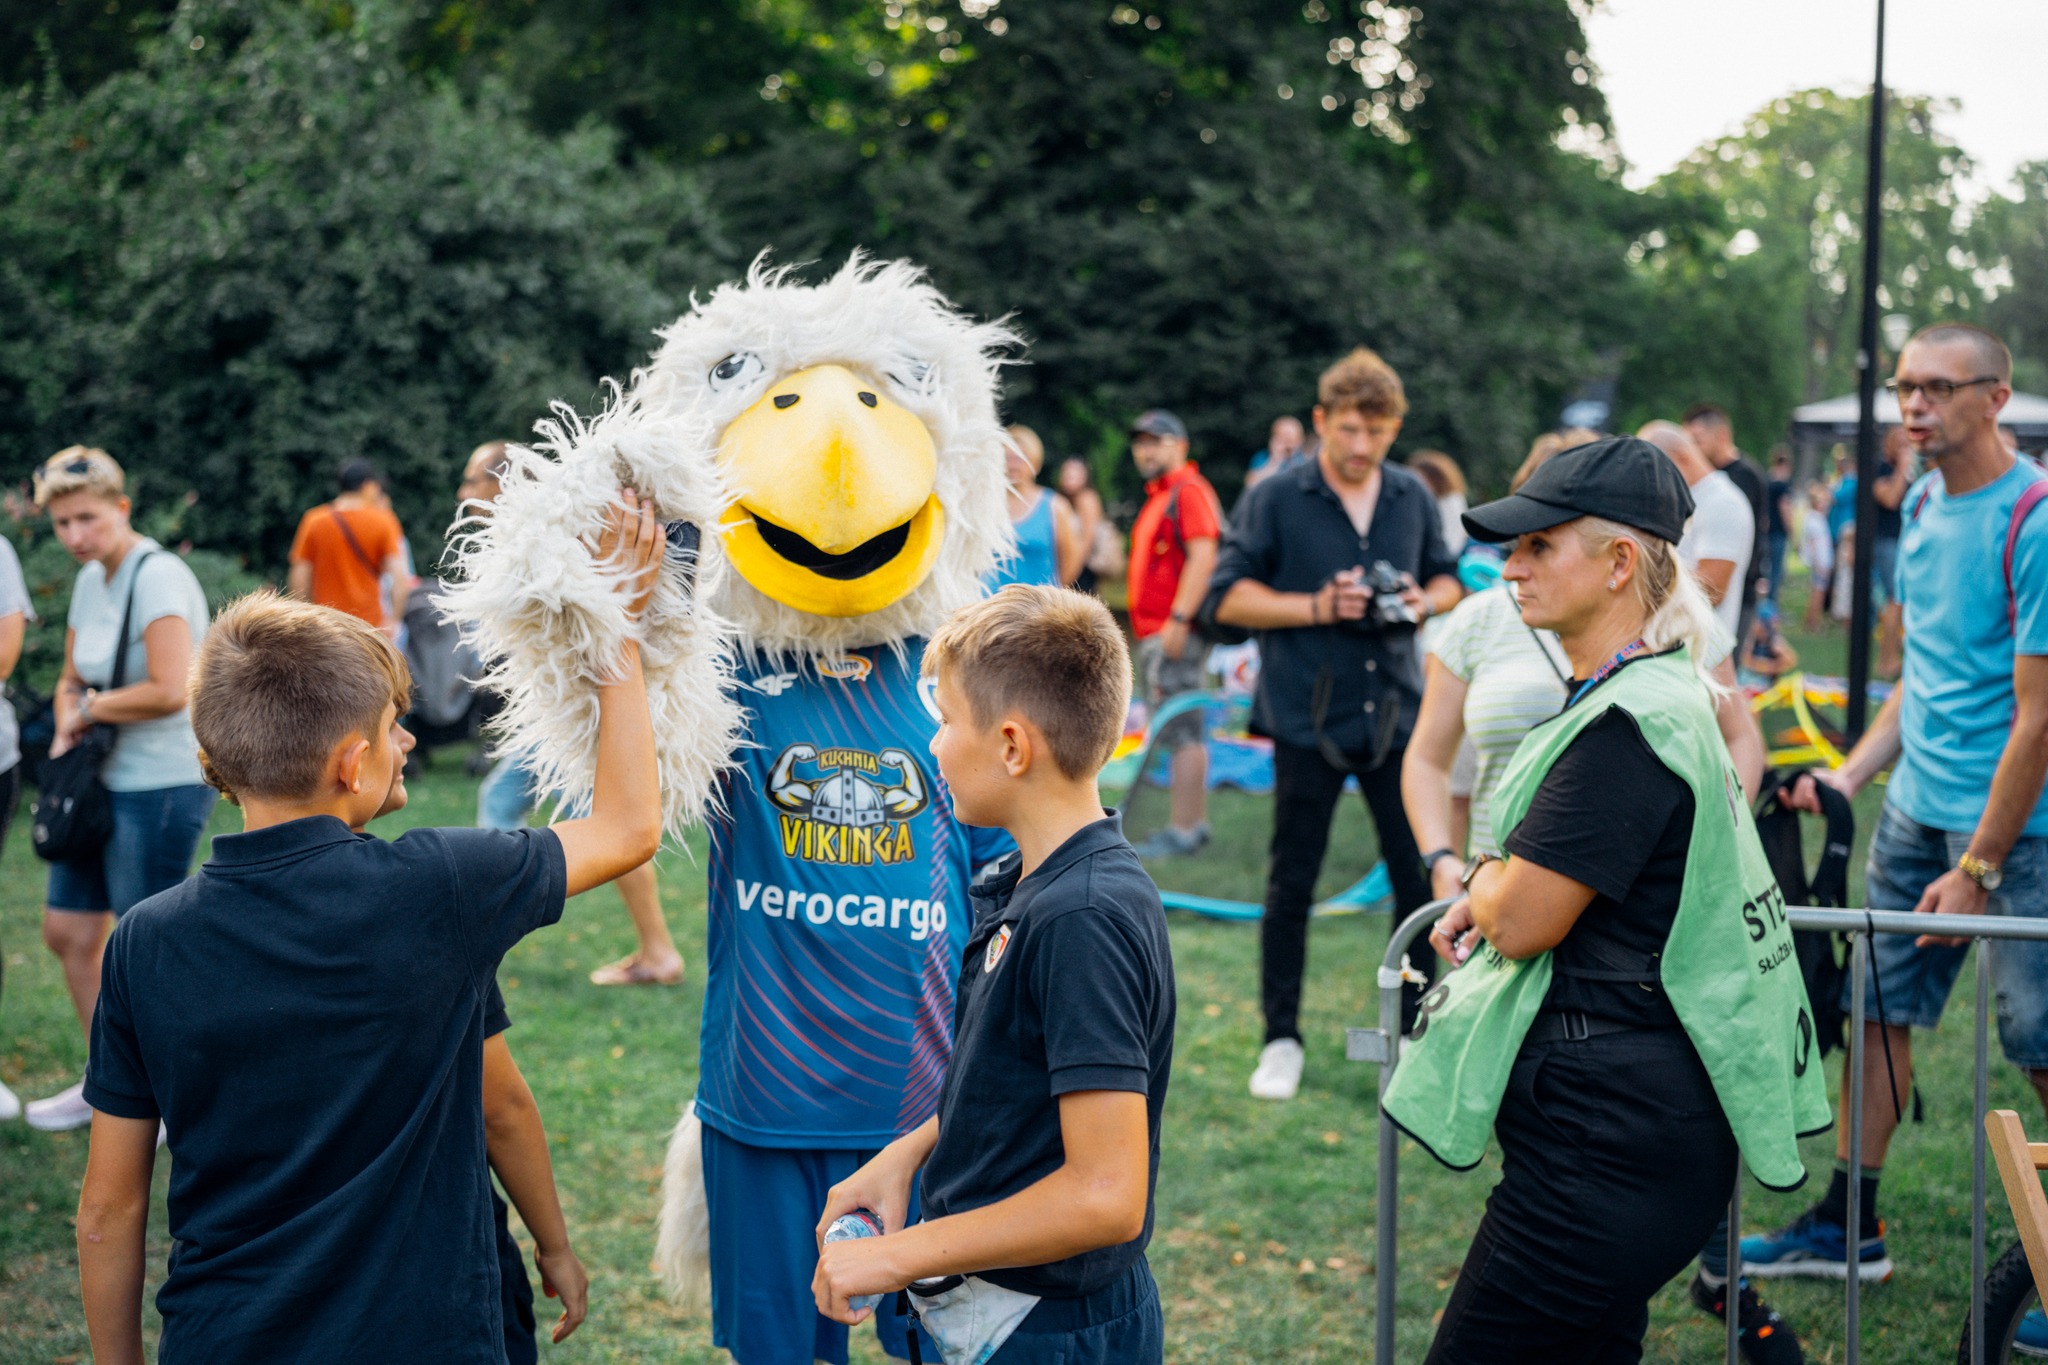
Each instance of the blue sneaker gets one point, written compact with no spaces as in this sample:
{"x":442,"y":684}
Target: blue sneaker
{"x":2032,"y":1338}
{"x":1812,"y":1246}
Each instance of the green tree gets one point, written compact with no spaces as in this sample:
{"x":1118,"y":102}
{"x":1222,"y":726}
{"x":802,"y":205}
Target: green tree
{"x":1197,"y":207}
{"x":1754,"y":276}
{"x":2013,"y":240}
{"x":270,"y":249}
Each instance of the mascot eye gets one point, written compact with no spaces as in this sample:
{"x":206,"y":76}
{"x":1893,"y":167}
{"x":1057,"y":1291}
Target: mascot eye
{"x":915,"y":376}
{"x":741,"y":367}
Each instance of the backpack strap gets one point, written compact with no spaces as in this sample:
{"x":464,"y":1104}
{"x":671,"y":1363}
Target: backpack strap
{"x":2030,"y":497}
{"x":1921,"y":501}
{"x":362,"y":557}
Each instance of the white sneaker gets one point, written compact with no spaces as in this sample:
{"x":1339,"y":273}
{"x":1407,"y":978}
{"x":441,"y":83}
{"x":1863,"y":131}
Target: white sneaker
{"x":10,"y":1104}
{"x":61,"y":1112}
{"x":1279,"y":1071}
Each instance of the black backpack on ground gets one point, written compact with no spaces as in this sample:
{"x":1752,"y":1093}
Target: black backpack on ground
{"x":1820,"y":961}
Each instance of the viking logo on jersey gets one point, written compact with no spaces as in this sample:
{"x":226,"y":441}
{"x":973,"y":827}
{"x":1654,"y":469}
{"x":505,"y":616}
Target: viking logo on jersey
{"x":848,"y":805}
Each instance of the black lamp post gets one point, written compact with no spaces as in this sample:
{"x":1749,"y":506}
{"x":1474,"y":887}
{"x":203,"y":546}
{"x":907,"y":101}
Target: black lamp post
{"x":1866,"y":392}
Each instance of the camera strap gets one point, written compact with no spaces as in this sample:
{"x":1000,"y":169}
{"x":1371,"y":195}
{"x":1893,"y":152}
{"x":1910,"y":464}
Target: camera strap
{"x":1379,"y":743}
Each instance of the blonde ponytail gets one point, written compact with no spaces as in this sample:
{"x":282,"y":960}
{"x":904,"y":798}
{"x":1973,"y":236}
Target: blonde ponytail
{"x":1675,"y":607}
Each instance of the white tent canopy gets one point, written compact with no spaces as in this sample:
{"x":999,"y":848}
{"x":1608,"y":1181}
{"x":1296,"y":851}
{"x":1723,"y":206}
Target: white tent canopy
{"x":1835,"y":418}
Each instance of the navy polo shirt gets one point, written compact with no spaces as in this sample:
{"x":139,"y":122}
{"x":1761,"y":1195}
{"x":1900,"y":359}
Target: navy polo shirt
{"x":1067,"y":985}
{"x":307,"y":1015}
{"x":1291,"y":533}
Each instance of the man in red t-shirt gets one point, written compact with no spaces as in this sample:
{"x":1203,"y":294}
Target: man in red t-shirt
{"x":348,"y":550}
{"x":1173,"y":552}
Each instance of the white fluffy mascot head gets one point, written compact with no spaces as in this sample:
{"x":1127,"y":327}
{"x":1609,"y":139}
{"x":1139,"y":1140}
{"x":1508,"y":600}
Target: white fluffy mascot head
{"x":838,"y":445}
{"x":854,"y":424}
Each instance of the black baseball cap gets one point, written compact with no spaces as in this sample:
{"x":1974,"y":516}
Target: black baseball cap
{"x":1619,"y":478}
{"x":1159,"y":422}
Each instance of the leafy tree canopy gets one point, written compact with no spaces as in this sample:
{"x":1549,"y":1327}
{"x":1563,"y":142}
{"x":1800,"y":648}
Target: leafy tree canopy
{"x":269,"y":250}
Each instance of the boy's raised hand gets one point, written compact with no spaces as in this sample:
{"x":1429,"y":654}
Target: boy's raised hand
{"x":563,"y":1277}
{"x":632,"y":539}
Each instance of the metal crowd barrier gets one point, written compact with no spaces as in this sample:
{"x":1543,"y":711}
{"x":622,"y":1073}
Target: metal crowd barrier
{"x":1383,"y":1045}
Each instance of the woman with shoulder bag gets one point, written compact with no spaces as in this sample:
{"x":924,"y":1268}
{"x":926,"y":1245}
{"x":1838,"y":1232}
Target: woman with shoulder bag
{"x":156,"y":802}
{"x":1626,"y":1014}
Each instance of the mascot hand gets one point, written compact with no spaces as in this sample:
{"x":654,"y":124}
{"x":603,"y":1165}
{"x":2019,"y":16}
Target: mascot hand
{"x":567,"y":568}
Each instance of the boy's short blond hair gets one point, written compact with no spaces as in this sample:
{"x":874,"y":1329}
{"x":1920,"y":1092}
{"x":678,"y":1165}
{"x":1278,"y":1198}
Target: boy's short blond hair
{"x":1052,"y":654}
{"x":79,"y":469}
{"x":1365,"y":382}
{"x":278,"y":683}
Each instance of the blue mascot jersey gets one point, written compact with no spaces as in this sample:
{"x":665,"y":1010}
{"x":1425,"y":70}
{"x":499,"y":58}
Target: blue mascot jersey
{"x":838,"y":907}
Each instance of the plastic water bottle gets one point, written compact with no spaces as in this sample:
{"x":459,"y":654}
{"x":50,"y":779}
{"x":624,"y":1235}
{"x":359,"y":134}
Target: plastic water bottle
{"x":846,"y":1227}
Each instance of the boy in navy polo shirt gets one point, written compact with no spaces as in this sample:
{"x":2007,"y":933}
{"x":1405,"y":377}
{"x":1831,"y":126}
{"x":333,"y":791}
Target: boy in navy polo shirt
{"x":1039,"y":1168}
{"x":308,"y":1014}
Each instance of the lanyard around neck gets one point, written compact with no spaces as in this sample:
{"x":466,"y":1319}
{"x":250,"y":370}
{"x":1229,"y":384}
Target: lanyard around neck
{"x":1606,"y":670}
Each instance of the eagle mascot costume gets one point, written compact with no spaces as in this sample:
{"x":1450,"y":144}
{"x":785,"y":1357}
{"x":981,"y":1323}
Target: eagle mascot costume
{"x":830,"y":466}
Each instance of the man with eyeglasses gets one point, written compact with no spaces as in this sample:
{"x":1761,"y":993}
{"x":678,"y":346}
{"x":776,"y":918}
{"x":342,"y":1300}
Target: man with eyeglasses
{"x":1964,"y":828}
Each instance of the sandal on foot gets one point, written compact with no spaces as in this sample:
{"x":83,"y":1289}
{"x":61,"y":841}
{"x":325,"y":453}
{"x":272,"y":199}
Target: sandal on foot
{"x":631,"y":971}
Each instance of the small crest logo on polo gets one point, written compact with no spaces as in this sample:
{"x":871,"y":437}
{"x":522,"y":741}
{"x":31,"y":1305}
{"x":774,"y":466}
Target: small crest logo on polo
{"x":852,"y":668}
{"x":994,"y":952}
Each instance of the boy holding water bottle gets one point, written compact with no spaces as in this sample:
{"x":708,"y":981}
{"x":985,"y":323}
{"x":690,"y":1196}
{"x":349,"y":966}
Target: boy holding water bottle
{"x":1038,"y":1169}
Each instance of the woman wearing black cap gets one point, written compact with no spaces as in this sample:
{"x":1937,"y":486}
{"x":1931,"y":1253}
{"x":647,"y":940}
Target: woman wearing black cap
{"x":1623,"y":1016}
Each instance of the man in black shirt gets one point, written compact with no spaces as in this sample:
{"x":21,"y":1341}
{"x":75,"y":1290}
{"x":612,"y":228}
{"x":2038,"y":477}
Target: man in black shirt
{"x":1710,"y":430}
{"x":1340,"y":679}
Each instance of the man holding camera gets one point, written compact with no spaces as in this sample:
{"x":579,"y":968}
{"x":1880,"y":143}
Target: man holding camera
{"x":1334,"y":562}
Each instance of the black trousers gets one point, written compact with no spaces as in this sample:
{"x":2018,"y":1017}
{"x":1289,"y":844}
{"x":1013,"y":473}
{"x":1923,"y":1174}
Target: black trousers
{"x":1616,"y":1162}
{"x":1305,"y":792}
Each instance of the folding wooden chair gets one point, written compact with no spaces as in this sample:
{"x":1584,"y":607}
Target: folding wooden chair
{"x":2018,"y":1160}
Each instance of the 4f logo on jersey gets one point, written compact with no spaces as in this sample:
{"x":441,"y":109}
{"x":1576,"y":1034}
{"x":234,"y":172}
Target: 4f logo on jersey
{"x":847,"y":805}
{"x":994,"y":952}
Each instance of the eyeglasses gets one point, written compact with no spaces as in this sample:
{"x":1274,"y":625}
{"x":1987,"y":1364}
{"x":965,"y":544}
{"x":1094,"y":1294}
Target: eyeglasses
{"x":78,"y":467}
{"x":1937,"y":390}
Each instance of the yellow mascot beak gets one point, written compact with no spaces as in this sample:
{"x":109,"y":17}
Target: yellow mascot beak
{"x":835,"y":513}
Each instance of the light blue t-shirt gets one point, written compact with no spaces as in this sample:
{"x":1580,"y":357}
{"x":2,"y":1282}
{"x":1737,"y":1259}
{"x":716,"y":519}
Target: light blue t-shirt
{"x":148,"y":754}
{"x":13,"y":600}
{"x":1958,"y":706}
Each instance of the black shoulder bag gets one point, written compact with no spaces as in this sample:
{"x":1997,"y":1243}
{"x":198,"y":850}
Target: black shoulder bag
{"x":73,"y":817}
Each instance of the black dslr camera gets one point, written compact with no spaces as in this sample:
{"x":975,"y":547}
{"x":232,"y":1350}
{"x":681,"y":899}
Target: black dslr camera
{"x":1387,"y":608}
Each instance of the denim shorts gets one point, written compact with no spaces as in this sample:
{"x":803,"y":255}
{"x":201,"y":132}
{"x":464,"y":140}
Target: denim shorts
{"x":1914,"y":982}
{"x":155,"y":835}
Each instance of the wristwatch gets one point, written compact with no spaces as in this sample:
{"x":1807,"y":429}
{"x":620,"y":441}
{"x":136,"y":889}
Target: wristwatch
{"x":85,"y":700}
{"x":1986,"y":875}
{"x":1477,"y":861}
{"x":1181,"y":618}
{"x":1430,"y":860}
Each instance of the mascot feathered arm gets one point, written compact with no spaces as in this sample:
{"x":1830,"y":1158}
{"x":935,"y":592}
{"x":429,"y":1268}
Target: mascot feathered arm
{"x":550,"y":621}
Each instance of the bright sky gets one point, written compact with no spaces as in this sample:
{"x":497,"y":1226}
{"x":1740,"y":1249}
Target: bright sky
{"x":1680,"y":72}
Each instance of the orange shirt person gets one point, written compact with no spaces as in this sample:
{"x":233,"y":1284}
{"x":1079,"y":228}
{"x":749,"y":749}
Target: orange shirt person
{"x":346,"y":550}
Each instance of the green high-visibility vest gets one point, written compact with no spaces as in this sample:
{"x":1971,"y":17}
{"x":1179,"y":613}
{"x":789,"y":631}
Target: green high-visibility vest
{"x":1728,"y":965}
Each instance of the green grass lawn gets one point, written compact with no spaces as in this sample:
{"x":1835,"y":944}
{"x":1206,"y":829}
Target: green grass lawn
{"x":1263,"y":1247}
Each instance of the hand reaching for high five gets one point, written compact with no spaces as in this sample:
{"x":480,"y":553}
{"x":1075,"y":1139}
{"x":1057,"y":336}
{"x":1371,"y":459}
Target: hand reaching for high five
{"x":633,"y":540}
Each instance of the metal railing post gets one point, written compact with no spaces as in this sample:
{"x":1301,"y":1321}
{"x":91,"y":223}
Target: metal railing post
{"x":1733,"y":1289}
{"x":1383,"y":1045}
{"x":1387,"y":1207}
{"x":1852,"y":1293}
{"x":1979,"y":1101}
